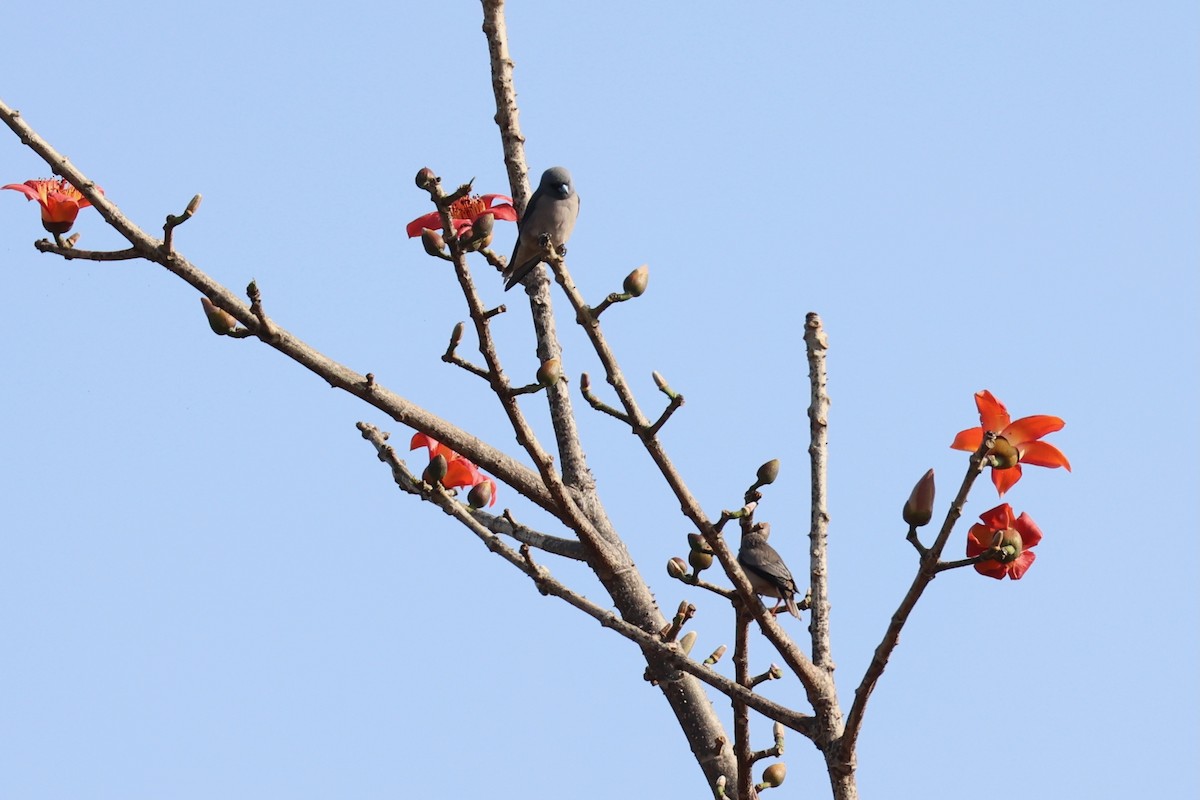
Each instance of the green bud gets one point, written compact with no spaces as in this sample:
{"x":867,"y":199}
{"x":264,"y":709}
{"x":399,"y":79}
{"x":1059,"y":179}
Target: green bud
{"x":221,"y":321}
{"x":773,"y":775}
{"x":480,"y":494}
{"x":768,"y":472}
{"x":635,"y":282}
{"x":433,"y":241}
{"x":549,"y":372}
{"x":436,"y":470}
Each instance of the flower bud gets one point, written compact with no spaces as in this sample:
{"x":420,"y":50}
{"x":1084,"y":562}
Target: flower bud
{"x":687,"y":641}
{"x":700,"y":560}
{"x":480,"y":494}
{"x":677,"y":567}
{"x":426,"y":178}
{"x":479,"y":234}
{"x":483,"y":224}
{"x":635,"y":282}
{"x":768,"y":472}
{"x":549,"y":373}
{"x":918,"y":509}
{"x":436,"y":470}
{"x":220,"y":320}
{"x":433,"y":241}
{"x":699,"y":554}
{"x":773,"y":775}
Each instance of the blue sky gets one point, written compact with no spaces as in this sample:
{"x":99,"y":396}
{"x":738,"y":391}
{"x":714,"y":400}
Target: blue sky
{"x":210,"y":587}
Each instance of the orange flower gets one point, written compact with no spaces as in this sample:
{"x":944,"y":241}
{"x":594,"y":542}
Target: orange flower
{"x":1016,"y":443}
{"x":464,"y":211}
{"x":1009,"y":538}
{"x":460,"y":471}
{"x":60,"y":201}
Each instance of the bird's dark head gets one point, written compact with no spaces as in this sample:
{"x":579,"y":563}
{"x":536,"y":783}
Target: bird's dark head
{"x":556,"y":182}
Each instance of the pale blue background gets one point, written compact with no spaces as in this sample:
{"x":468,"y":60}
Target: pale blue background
{"x":209,"y":586}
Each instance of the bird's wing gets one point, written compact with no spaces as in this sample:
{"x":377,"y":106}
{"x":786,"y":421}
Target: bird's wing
{"x":529,"y":208}
{"x":765,"y":562}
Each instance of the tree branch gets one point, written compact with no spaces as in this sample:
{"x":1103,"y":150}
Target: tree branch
{"x":926,"y":571}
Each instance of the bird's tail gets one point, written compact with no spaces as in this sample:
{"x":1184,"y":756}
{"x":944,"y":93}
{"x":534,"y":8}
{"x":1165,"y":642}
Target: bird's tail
{"x":792,"y":608}
{"x":520,"y":272}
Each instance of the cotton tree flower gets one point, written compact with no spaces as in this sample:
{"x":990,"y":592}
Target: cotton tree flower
{"x":465,"y":211}
{"x":1016,"y":442}
{"x":60,"y":201}
{"x":1009,"y":538}
{"x":460,"y":470}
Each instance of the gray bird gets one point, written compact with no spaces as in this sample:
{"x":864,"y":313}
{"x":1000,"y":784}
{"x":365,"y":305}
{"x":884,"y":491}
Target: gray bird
{"x":768,"y":574}
{"x":551,"y":212}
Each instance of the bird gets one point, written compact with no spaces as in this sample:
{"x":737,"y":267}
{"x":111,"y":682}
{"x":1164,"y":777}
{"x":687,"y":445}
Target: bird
{"x":551,"y":212}
{"x":765,"y":569}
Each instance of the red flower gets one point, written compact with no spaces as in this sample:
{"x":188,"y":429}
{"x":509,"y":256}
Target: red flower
{"x":60,"y":201}
{"x":1010,"y":539}
{"x":1016,"y":443}
{"x":464,"y":211}
{"x":460,"y":471}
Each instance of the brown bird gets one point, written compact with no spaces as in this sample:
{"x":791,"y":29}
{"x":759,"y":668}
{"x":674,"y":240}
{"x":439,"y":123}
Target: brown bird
{"x":764,"y":567}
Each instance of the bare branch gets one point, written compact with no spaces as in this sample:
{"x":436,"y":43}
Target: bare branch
{"x":68,"y":252}
{"x":926,"y":571}
{"x":816,"y":345}
{"x":545,"y":582}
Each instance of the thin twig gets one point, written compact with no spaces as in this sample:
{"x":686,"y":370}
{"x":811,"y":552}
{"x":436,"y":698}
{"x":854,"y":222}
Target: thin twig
{"x":585,"y":388}
{"x":926,"y":571}
{"x":174,"y":222}
{"x":46,"y":246}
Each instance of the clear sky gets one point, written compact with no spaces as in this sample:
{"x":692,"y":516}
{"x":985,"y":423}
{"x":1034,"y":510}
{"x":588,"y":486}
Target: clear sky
{"x":209,"y":586}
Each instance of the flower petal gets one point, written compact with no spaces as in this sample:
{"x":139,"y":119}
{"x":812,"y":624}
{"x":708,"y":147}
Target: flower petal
{"x":1005,"y":479}
{"x":461,"y":472}
{"x":969,"y":440}
{"x":978,"y":539}
{"x":422,"y":440}
{"x":24,"y":188}
{"x":1017,"y":568}
{"x":993,"y":569}
{"x":1042,"y":454}
{"x":502,"y":210}
{"x":992,"y":413}
{"x":1026,"y":429}
{"x":1031,"y":534}
{"x":430,"y":220}
{"x":999,"y":518}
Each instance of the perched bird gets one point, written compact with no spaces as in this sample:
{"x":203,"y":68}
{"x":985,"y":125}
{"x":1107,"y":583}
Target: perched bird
{"x":551,"y":212}
{"x":767,"y":573}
